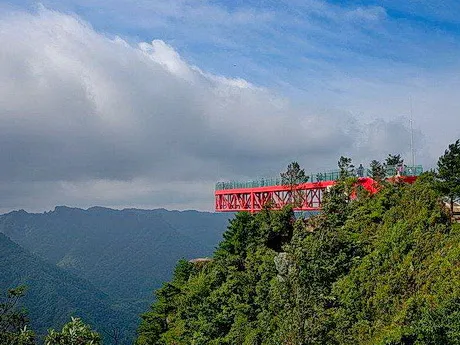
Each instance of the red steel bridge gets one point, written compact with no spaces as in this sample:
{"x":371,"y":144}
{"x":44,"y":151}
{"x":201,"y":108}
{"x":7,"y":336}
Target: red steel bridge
{"x":253,"y":195}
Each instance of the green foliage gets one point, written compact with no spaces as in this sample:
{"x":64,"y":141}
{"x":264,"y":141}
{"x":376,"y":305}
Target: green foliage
{"x":449,"y":172}
{"x":224,"y":301}
{"x":99,"y":264}
{"x":13,"y":322}
{"x":375,"y":269}
{"x":393,"y":160}
{"x":377,"y":171}
{"x":54,"y":295}
{"x":346,"y":168}
{"x":388,"y":290}
{"x":293,"y":176}
{"x":74,"y":332}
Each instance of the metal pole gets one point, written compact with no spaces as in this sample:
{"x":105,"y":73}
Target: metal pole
{"x":412,"y":134}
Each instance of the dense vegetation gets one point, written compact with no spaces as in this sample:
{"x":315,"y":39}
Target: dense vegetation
{"x":14,"y":324}
{"x":98,"y":264}
{"x":53,"y":294}
{"x":369,"y":269}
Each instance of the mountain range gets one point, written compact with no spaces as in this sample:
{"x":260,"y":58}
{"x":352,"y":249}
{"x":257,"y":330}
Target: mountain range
{"x":101,"y":264}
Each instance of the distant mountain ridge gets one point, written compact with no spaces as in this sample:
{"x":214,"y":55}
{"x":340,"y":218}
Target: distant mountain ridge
{"x":126,"y":254}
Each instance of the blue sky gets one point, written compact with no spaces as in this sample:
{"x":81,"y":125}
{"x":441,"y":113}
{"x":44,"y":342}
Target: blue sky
{"x":275,"y":43}
{"x":341,"y":72}
{"x":303,"y":49}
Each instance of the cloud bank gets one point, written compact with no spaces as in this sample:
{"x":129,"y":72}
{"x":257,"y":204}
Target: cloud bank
{"x":88,"y":119}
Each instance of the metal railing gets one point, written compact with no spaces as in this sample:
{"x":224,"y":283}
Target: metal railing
{"x":324,"y":176}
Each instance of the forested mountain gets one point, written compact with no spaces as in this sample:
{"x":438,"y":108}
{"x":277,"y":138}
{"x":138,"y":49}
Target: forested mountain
{"x":123,"y":254}
{"x":369,"y":269}
{"x":53,"y":295}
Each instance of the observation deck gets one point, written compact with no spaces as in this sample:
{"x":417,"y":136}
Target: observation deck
{"x":252,"y":196}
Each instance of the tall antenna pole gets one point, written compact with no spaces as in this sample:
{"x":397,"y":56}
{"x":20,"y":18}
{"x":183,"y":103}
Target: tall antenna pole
{"x":412,"y":133}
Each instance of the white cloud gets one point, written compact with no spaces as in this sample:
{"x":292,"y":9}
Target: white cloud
{"x":165,"y":55}
{"x":372,"y":13}
{"x":86,"y":119}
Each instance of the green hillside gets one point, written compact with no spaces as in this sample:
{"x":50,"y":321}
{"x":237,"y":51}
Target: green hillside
{"x":53,"y":295}
{"x":381,"y":269}
{"x":124,"y":254}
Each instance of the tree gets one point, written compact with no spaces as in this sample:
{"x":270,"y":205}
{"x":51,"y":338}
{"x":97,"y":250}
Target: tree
{"x":319,"y":177}
{"x":13,"y":322}
{"x":345,"y":167}
{"x":377,"y":171}
{"x":374,"y":270}
{"x":347,"y":176}
{"x":293,"y":176}
{"x":449,"y":173}
{"x":393,"y":160}
{"x":74,"y":332}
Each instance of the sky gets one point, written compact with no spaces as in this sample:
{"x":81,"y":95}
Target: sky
{"x":149,"y":103}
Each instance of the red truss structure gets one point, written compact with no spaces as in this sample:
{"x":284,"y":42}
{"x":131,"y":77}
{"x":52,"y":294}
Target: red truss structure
{"x":306,"y":196}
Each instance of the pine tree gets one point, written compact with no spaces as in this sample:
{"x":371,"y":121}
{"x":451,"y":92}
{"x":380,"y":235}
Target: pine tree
{"x":393,"y":160}
{"x":449,"y":173}
{"x":377,"y":171}
{"x":293,"y":176}
{"x":345,"y":167}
